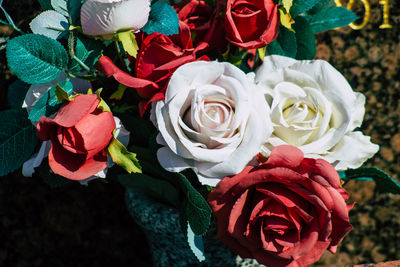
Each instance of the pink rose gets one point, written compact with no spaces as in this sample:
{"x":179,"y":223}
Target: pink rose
{"x":284,"y":212}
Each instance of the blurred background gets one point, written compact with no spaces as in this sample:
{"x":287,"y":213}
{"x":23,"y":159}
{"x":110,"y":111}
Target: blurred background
{"x":90,"y":225}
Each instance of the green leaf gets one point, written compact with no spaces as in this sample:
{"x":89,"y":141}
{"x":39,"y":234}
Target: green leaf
{"x":320,"y":5}
{"x":301,"y":6}
{"x":153,"y":187}
{"x":74,"y":10}
{"x":88,"y":51}
{"x":196,"y":209}
{"x":62,"y":91}
{"x":287,"y":4}
{"x":48,"y":104}
{"x":45,"y":4}
{"x":162,"y":19}
{"x":306,"y":46}
{"x":284,"y":45}
{"x":16,"y":93}
{"x":330,"y":18}
{"x":195,"y":243}
{"x":383,"y":180}
{"x":36,"y":58}
{"x":123,"y":157}
{"x":50,"y":23}
{"x":60,"y":6}
{"x":128,"y":40}
{"x":120,"y":92}
{"x":17,"y":140}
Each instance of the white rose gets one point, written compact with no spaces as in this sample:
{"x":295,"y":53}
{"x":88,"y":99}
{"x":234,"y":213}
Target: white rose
{"x":314,"y":108}
{"x":105,"y":17}
{"x":213,"y":120}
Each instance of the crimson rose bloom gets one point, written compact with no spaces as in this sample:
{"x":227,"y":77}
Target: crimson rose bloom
{"x":284,"y":212}
{"x":79,"y":134}
{"x":204,"y":23}
{"x":159,"y":56}
{"x":251,"y":24}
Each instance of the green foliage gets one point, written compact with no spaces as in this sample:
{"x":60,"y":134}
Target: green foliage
{"x":88,"y":51}
{"x":320,"y":5}
{"x":36,"y":58}
{"x":121,"y":156}
{"x":48,"y":104}
{"x":60,"y":6}
{"x":45,"y":4}
{"x":153,"y":187}
{"x":301,"y":6}
{"x":284,"y":45}
{"x":17,"y":140}
{"x":330,"y":18}
{"x":50,"y":23}
{"x":74,"y":10}
{"x":195,"y":243}
{"x":162,"y":19}
{"x":306,"y":46}
{"x":383,"y":180}
{"x":195,"y":208}
{"x":16,"y":93}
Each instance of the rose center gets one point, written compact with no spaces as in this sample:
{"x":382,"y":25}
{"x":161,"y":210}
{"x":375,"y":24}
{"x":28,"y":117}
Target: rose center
{"x":299,"y":112}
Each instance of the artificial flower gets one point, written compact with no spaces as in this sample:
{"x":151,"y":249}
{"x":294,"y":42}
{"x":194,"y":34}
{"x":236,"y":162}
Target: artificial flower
{"x":213,"y":119}
{"x":285,"y":212}
{"x":106,"y":17}
{"x":79,"y":135}
{"x":315,"y":109}
{"x":205,"y":23}
{"x":251,"y":24}
{"x":159,"y":56}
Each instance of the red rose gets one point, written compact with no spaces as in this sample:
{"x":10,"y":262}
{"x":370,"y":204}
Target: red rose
{"x":251,"y":24}
{"x":79,"y":134}
{"x":159,"y":56}
{"x":284,"y":212}
{"x":204,"y":23}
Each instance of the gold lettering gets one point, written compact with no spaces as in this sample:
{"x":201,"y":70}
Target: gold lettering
{"x":386,"y":12}
{"x":367,"y":12}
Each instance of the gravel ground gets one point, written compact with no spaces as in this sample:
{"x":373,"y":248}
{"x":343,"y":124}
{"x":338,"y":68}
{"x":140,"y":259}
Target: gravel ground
{"x":90,"y":226}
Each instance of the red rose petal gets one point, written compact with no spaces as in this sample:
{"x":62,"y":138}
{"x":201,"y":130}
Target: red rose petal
{"x":106,"y":66}
{"x":285,"y":156}
{"x":96,"y":131}
{"x":75,"y":110}
{"x":74,"y":166}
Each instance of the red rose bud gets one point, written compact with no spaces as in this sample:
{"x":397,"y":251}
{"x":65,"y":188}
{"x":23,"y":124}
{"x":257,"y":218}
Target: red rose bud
{"x":284,"y":212}
{"x":251,"y":24}
{"x":79,"y":134}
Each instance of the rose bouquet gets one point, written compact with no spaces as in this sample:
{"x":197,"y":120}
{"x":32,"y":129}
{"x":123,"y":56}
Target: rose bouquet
{"x":216,"y":108}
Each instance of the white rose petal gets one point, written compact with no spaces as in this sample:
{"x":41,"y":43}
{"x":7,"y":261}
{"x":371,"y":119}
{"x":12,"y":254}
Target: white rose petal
{"x":213,"y":119}
{"x":36,"y":91}
{"x":105,"y":17}
{"x":314,"y":108}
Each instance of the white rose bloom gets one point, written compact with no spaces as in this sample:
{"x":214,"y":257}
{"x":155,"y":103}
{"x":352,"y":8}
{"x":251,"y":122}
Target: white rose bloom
{"x":213,"y":119}
{"x":315,"y":109}
{"x":105,"y":17}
